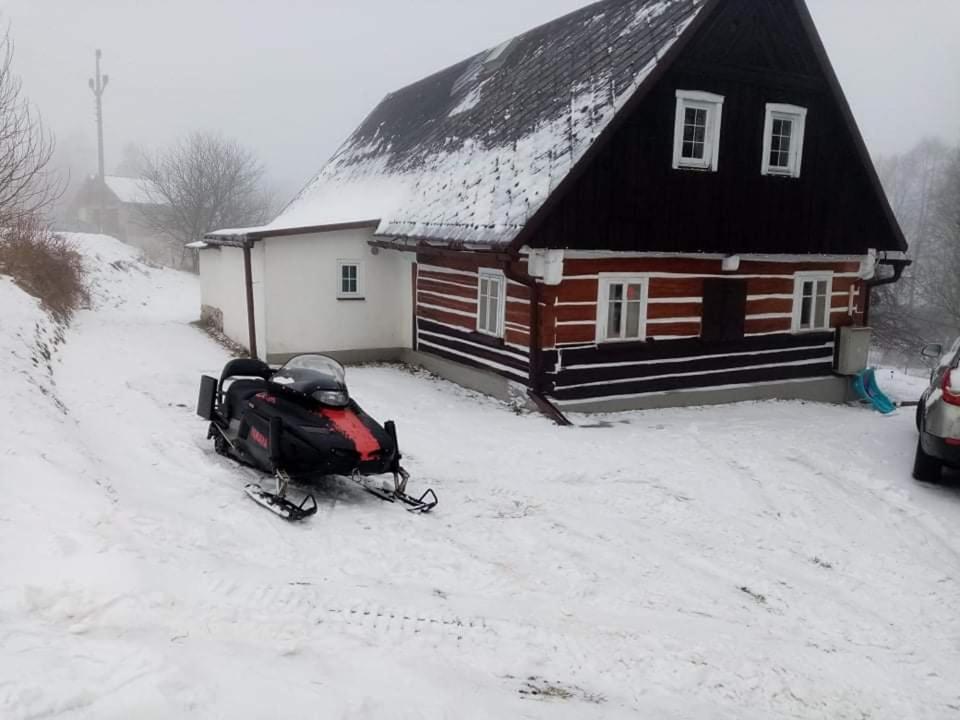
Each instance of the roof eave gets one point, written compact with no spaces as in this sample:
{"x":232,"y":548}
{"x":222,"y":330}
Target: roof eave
{"x":254,"y":235}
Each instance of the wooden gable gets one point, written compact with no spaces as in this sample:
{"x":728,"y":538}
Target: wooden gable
{"x":626,"y":196}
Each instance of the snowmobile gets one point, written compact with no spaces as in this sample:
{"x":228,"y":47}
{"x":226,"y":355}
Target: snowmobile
{"x":299,"y":424}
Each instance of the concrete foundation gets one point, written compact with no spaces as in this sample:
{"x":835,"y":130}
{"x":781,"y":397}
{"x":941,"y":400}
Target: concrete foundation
{"x":823,"y":390}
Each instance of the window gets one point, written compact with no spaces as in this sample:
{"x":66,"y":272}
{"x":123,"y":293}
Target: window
{"x":490,"y":303}
{"x":349,"y":280}
{"x":696,"y":143}
{"x":783,"y":140}
{"x":622,"y":309}
{"x":812,"y":296}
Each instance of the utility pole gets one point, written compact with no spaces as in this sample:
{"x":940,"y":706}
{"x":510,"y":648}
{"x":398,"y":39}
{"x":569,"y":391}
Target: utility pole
{"x":98,"y":85}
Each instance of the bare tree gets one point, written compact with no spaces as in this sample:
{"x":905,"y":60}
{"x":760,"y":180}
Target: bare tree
{"x":941,"y":280}
{"x":924,"y":188}
{"x":27,"y":185}
{"x":203,"y":182}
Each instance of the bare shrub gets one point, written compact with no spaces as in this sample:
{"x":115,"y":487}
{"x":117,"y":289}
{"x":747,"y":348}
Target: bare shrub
{"x":45,"y":265}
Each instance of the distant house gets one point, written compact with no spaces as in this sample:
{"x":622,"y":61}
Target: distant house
{"x":642,"y":203}
{"x":126,"y":199}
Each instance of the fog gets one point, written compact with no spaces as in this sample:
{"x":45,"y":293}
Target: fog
{"x":292,"y":78}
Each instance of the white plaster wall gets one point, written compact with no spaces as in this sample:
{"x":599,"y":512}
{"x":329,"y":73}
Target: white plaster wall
{"x":222,"y":286}
{"x":303,"y":313}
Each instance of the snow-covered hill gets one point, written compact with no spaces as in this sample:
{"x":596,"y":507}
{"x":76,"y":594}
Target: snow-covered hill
{"x":768,"y":560}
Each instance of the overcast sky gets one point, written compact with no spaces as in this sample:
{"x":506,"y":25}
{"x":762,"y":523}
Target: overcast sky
{"x":292,"y":78}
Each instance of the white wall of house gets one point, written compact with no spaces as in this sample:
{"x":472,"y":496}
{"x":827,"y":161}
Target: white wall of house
{"x":295,"y":288}
{"x":222,"y":287}
{"x":303,"y":311}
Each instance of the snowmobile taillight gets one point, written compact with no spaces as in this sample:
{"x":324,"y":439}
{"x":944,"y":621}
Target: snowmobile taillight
{"x":951,"y":391}
{"x":332,"y":398}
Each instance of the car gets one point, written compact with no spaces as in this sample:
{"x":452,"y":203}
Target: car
{"x":938,"y":415}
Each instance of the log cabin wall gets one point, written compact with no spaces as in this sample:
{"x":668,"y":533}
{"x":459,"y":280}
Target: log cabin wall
{"x":676,"y":353}
{"x":446,"y":313}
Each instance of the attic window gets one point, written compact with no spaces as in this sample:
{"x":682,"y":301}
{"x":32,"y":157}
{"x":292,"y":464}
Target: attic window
{"x":495,"y":59}
{"x":696,"y":142}
{"x":783,"y":140}
{"x":498,"y":52}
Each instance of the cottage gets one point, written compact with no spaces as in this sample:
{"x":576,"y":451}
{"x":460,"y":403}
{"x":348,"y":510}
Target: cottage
{"x":642,"y":203}
{"x":123,"y":202}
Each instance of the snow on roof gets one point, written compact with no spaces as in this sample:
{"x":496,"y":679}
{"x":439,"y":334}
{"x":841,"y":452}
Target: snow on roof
{"x":134,"y":191}
{"x":469,"y":154}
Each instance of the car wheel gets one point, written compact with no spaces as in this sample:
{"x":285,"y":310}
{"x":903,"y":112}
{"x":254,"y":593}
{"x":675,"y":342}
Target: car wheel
{"x":925,"y":467}
{"x":920,"y":414}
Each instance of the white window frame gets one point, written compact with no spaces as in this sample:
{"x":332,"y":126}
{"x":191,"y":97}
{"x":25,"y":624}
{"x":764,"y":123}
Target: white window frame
{"x":603,"y":305}
{"x":497,"y":275}
{"x":341,"y":293}
{"x":798,"y":116}
{"x":799,"y":280}
{"x":713,"y":104}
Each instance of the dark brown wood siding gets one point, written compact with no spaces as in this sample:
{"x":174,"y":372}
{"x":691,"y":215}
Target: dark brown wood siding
{"x":679,"y":352}
{"x":595,"y":373}
{"x":629,"y":197}
{"x":446,"y":316}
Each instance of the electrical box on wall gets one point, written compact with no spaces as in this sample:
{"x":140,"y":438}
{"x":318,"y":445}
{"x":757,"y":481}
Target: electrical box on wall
{"x":853,"y":352}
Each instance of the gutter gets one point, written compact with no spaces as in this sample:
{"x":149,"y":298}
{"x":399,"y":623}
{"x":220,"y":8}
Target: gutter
{"x":898,"y":265}
{"x":248,"y":283}
{"x":535,"y":392}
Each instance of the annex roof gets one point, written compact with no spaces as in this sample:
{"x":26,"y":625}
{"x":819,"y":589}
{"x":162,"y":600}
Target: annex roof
{"x":469,"y":154}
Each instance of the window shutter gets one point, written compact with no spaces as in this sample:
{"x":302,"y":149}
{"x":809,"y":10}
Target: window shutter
{"x":724,"y":310}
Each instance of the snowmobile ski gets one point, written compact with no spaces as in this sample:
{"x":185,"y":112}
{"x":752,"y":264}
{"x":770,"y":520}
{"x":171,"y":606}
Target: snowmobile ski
{"x":424,"y":504}
{"x":280,"y":505}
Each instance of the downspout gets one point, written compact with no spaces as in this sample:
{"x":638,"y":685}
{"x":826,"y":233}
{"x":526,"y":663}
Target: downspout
{"x":248,"y":282}
{"x":535,"y":392}
{"x":876,"y":281}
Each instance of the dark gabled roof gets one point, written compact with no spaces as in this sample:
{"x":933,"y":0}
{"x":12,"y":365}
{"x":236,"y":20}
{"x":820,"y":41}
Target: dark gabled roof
{"x":470,"y":153}
{"x":469,"y":156}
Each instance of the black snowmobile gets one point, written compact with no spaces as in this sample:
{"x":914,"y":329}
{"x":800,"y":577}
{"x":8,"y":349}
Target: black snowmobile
{"x":300,"y":424}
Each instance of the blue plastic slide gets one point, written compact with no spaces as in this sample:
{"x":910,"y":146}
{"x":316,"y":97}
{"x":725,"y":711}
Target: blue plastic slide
{"x":865,"y":385}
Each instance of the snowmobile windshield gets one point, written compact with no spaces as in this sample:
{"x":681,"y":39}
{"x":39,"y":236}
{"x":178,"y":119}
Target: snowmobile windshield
{"x":315,"y":376}
{"x":318,"y":363}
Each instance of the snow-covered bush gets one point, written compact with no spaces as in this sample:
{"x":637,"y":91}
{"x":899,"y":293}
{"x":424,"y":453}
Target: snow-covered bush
{"x":45,"y":265}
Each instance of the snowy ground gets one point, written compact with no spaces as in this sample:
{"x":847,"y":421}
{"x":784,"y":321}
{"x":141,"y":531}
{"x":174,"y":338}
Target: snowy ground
{"x":770,"y":560}
{"x":903,"y":385}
